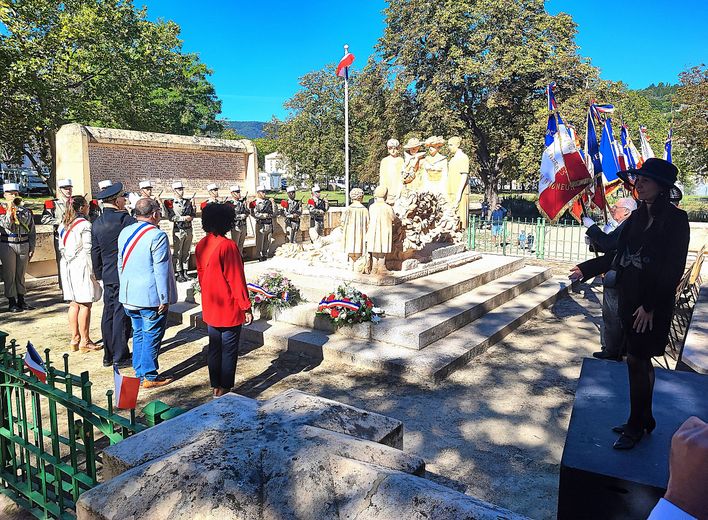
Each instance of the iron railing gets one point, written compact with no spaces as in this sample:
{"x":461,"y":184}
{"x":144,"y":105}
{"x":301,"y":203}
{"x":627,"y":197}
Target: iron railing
{"x":533,"y":238}
{"x":51,"y":434}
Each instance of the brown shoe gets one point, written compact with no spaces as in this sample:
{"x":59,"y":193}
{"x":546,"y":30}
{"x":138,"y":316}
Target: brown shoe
{"x":157,"y":382}
{"x":90,"y":347}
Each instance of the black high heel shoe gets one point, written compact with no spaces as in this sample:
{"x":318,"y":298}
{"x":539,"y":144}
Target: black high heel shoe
{"x":627,"y":441}
{"x":648,"y":426}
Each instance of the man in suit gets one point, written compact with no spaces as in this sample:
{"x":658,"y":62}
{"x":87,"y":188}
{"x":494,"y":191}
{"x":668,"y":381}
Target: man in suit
{"x":147,"y":288}
{"x":605,"y":241}
{"x":115,"y":325}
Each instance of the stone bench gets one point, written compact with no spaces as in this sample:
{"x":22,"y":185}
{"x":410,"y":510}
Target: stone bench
{"x":694,"y":355}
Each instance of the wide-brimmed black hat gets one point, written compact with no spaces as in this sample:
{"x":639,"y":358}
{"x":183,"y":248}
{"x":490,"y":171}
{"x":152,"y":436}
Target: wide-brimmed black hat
{"x":658,"y":170}
{"x":111,"y":191}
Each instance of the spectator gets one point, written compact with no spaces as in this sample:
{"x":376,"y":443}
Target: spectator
{"x":686,"y":496}
{"x":650,"y":259}
{"x":497,"y":222}
{"x":76,"y":271}
{"x":225,"y":303}
{"x":611,"y":338}
{"x":485,"y":209}
{"x":115,"y":325}
{"x":147,"y":287}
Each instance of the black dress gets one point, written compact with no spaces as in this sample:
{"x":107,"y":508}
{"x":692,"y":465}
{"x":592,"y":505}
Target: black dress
{"x":649,"y":264}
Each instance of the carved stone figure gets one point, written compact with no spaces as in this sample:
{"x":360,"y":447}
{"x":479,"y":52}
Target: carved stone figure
{"x":458,"y":189}
{"x":434,"y":167}
{"x":379,"y":240}
{"x":391,"y":169}
{"x":412,"y":155}
{"x":355,"y":224}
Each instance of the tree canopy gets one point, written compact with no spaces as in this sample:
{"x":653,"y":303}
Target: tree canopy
{"x":95,"y":62}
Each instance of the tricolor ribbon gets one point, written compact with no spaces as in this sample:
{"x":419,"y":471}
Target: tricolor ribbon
{"x":133,"y":240}
{"x":352,"y":306}
{"x":259,"y":290}
{"x":64,"y":233}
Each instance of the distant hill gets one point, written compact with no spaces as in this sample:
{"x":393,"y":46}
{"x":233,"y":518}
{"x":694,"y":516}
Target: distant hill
{"x":248,"y":129}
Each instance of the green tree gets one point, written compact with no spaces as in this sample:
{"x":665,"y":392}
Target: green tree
{"x":478,"y":68}
{"x":311,"y":137}
{"x":691,"y":124}
{"x":95,"y":62}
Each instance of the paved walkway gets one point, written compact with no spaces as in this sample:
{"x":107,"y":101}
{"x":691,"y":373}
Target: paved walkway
{"x":494,"y":429}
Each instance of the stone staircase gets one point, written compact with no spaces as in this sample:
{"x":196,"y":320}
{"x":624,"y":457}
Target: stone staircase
{"x":433,"y":325}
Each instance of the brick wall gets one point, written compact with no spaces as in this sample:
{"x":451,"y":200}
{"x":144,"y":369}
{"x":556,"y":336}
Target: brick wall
{"x":163,"y":166}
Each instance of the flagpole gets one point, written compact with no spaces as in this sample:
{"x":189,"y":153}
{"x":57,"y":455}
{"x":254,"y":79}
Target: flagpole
{"x":346,"y":132}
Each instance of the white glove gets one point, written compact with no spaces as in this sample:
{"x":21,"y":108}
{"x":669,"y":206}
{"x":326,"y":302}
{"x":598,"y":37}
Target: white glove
{"x":587,"y":240}
{"x":588,"y":222}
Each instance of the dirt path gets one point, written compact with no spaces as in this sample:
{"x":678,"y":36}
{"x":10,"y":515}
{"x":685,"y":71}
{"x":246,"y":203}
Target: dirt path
{"x":494,"y":429}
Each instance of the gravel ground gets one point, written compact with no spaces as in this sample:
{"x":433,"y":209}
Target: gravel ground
{"x":494,"y":429}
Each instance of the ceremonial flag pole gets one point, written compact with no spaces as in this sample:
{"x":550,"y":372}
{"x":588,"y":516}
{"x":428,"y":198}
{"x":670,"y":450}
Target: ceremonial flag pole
{"x":343,"y":71}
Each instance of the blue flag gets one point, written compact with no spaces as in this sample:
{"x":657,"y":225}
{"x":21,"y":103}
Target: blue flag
{"x":593,"y":150}
{"x":608,"y":156}
{"x":667,"y":146}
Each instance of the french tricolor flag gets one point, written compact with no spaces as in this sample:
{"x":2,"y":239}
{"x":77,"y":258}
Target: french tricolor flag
{"x":344,"y":64}
{"x":126,"y":394}
{"x":34,"y":362}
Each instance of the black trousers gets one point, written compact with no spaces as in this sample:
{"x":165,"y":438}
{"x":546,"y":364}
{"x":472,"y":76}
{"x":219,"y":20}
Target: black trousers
{"x":115,"y":327}
{"x":222,"y":355}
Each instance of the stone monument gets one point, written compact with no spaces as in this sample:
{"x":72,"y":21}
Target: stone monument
{"x":355,"y":224}
{"x":391,"y":169}
{"x":412,"y":178}
{"x":458,"y":189}
{"x":379,"y":240}
{"x":434,"y":166}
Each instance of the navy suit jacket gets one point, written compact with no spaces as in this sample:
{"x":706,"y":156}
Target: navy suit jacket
{"x":104,"y":243}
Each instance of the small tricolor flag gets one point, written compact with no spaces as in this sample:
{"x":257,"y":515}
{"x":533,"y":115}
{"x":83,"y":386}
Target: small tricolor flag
{"x":647,"y":152}
{"x":344,"y":64}
{"x":34,"y":362}
{"x":126,"y":394}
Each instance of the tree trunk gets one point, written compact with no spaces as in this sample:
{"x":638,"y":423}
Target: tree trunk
{"x":491,"y":188}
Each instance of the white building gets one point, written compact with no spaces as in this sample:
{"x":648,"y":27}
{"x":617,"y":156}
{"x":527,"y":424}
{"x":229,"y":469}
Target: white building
{"x":275,"y":171}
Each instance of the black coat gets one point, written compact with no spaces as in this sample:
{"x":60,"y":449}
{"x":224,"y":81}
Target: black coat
{"x":104,"y":243}
{"x":652,"y":284}
{"x":604,"y":242}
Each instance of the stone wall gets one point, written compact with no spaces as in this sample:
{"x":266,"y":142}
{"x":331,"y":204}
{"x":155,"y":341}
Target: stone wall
{"x":87,"y":155}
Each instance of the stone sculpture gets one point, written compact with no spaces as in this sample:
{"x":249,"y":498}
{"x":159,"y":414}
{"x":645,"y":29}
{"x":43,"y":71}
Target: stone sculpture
{"x":412,"y":156}
{"x":434,"y":166}
{"x":458,"y":169}
{"x":355,"y":224}
{"x":390,"y":170}
{"x":424,"y":218}
{"x":379,"y":240}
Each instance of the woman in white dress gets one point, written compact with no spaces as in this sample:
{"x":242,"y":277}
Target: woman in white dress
{"x":76,"y":270}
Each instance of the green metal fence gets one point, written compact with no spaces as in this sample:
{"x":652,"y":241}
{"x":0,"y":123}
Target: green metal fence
{"x":51,"y":433}
{"x":533,"y":238}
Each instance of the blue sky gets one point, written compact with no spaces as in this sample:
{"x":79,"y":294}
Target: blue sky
{"x":258,"y":50}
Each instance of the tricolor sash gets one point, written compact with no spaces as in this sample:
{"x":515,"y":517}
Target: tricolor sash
{"x":64,"y":233}
{"x":133,"y":241}
{"x":352,"y":306}
{"x":259,"y":290}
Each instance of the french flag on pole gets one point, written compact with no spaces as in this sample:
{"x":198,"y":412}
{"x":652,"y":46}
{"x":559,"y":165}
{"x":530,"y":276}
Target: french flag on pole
{"x":126,"y":394}
{"x":34,"y":362}
{"x":344,"y":64}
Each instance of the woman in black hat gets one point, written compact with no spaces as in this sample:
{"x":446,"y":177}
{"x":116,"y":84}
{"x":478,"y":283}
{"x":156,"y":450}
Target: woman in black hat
{"x":648,"y":265}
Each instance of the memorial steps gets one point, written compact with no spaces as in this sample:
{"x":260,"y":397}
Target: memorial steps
{"x":433,"y":325}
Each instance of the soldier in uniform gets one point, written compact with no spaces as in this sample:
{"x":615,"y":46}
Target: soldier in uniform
{"x":317,"y":207}
{"x":102,"y":185}
{"x":238,"y":230}
{"x":213,"y":190}
{"x":180,"y":212}
{"x":292,"y":210}
{"x":262,"y":210}
{"x":17,"y":241}
{"x":53,"y":214}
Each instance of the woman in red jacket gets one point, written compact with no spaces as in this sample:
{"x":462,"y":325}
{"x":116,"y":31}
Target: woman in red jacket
{"x":225,"y":303}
